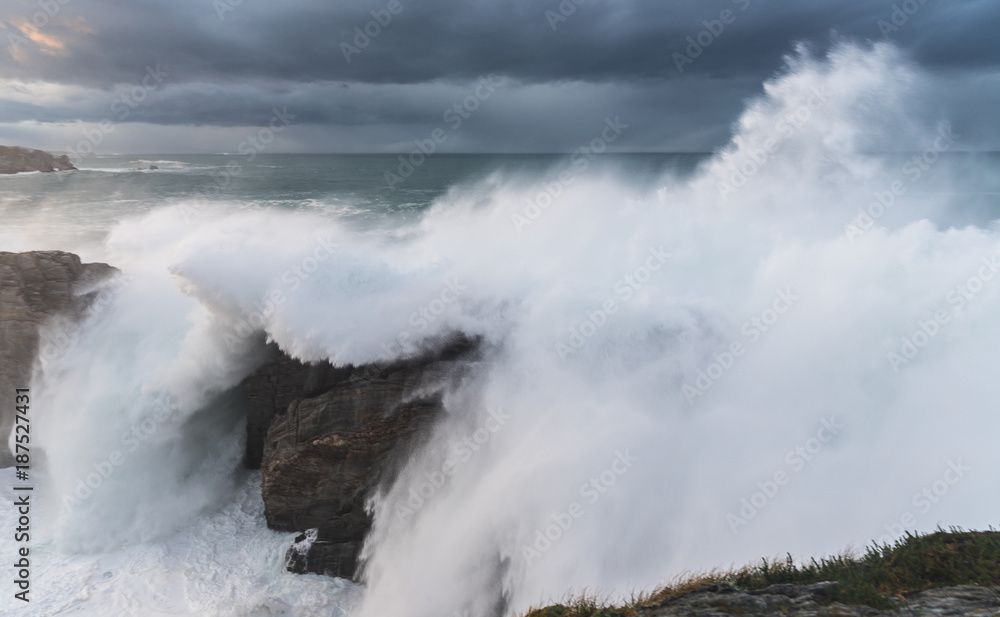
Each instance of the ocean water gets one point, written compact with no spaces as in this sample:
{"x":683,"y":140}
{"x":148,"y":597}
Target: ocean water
{"x":64,"y":210}
{"x":695,"y":360}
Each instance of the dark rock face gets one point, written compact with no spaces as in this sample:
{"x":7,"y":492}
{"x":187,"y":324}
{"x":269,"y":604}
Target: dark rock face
{"x":326,"y":437}
{"x":34,"y":288}
{"x":812,"y":601}
{"x":273,"y":388}
{"x":15,"y":160}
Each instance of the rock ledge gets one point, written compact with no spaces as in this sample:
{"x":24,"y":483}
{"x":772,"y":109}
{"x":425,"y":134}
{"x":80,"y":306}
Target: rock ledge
{"x":811,"y":601}
{"x":15,"y":160}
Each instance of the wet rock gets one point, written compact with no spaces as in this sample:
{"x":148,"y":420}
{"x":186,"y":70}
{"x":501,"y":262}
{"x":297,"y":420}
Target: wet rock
{"x":35,"y":288}
{"x":326,"y":437}
{"x":15,"y":160}
{"x":813,"y":601}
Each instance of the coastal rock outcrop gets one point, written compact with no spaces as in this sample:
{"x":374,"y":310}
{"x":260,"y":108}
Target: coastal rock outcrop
{"x":15,"y":160}
{"x":811,"y":601}
{"x":35,"y":288}
{"x":326,"y":437}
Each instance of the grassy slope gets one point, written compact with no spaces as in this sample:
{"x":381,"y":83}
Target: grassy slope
{"x":914,"y":563}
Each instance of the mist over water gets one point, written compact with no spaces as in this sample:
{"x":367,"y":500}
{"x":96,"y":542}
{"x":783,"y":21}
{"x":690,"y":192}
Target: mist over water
{"x":758,"y":350}
{"x":771,"y":354}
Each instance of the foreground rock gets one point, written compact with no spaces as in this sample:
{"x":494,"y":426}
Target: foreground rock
{"x":36,"y":288}
{"x":326,"y":437}
{"x":812,"y":601}
{"x":15,"y":160}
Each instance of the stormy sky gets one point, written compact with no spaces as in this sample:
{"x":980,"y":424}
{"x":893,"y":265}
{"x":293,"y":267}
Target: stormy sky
{"x":374,"y":75}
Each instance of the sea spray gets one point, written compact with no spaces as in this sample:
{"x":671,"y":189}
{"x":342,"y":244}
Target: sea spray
{"x":461,"y":550}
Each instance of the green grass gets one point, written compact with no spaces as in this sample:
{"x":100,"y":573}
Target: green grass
{"x":914,"y":563}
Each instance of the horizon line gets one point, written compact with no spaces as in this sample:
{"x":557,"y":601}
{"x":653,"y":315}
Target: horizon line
{"x":559,"y":153}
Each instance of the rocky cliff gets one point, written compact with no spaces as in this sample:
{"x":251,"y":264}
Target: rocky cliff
{"x":34,"y":288}
{"x":811,"y":601}
{"x":14,"y":160}
{"x":953,"y":572}
{"x":326,"y":437}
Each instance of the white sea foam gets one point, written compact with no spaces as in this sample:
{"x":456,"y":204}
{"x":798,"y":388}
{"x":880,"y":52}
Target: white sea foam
{"x":223,"y":564}
{"x":655,"y":361}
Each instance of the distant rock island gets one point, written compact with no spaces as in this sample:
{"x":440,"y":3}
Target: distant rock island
{"x":15,"y":160}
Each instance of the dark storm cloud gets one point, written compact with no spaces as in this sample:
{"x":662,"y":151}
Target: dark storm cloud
{"x":231,"y":62}
{"x":109,"y":41}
